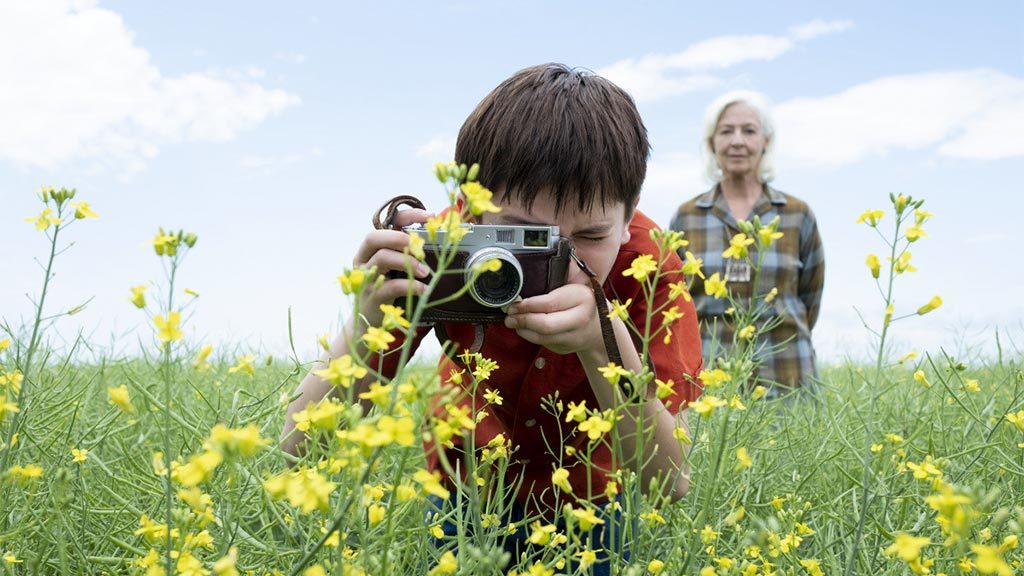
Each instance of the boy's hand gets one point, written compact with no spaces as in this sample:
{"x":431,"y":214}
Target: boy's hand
{"x":563,"y":320}
{"x":384,"y":249}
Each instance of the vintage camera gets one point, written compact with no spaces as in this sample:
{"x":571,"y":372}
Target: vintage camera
{"x":534,"y":260}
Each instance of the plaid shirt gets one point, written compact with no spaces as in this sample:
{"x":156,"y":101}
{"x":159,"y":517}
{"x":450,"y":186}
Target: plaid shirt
{"x":795,"y":264}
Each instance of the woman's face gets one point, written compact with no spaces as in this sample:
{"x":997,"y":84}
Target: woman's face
{"x":739,"y":141}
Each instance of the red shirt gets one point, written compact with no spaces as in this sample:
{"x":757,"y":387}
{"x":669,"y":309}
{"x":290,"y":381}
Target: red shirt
{"x":529,"y":373}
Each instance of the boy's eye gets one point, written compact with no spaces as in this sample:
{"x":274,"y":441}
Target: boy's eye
{"x":591,"y":238}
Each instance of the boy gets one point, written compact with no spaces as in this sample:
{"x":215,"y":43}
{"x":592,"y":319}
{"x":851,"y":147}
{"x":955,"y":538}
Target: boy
{"x":561,"y":147}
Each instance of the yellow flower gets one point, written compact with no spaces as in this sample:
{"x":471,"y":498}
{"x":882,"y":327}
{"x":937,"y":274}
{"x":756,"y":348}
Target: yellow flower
{"x":167,"y":329}
{"x":692,"y":265}
{"x":578,"y":412}
{"x":876,"y":448}
{"x":907,"y":547}
{"x":771,"y":295}
{"x":989,"y":560}
{"x":375,"y":514}
{"x":201,"y":356}
{"x":393,"y":316}
{"x":493,"y":397}
{"x":671,"y":315}
{"x":138,"y":296}
{"x":921,"y":379}
{"x":159,"y":467}
{"x":79,"y":455}
{"x":225,"y":566}
{"x":971,"y":385}
{"x":323,"y":416}
{"x":119,"y":397}
{"x":900,"y":202}
{"x":447,"y":564}
{"x":560,"y":478}
{"x":479,"y":198}
{"x":244,"y":365}
{"x":682,"y":435}
{"x":10,"y":559}
{"x":641,"y":267}
{"x":812,"y":566}
{"x":653,"y":517}
{"x":915,"y":233}
{"x":596,"y":425}
{"x":314,"y":570}
{"x":767,"y":236}
{"x":708,"y":534}
{"x":199,"y":468}
{"x":352,"y":280}
{"x":743,"y":460}
{"x":714,"y":378}
{"x":871,"y":217}
{"x":586,"y":518}
{"x":758,"y":393}
{"x":921,"y":215}
{"x":715,"y":286}
{"x":377,"y":339}
{"x":4,"y":344}
{"x":655,"y":566}
{"x":908,"y":356}
{"x":587,"y":558}
{"x":341,"y":371}
{"x":304,"y":488}
{"x":932,"y":304}
{"x":44,"y":220}
{"x":1017,"y":419}
{"x":620,"y":310}
{"x":430,"y":482}
{"x":737,"y":249}
{"x":538,"y":569}
{"x":925,"y":469}
{"x":27,"y":473}
{"x":747,"y":332}
{"x":874,"y":265}
{"x":82,"y":210}
{"x":664,"y":388}
{"x":191,"y":292}
{"x":245,"y":441}
{"x":902,"y":263}
{"x":613,"y":373}
{"x":706,"y":405}
{"x":165,"y":244}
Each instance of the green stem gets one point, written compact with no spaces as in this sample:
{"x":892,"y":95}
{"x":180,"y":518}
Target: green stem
{"x":869,"y":430}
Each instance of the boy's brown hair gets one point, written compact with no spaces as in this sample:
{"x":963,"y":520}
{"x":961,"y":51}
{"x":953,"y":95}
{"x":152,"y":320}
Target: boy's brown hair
{"x":558,"y":130}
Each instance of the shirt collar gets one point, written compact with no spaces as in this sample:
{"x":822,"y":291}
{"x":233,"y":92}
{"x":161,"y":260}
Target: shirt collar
{"x":709,"y":198}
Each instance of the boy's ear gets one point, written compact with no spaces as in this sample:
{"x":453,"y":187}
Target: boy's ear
{"x":629,"y":218}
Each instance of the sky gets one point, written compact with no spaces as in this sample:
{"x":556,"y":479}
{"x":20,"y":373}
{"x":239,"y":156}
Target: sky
{"x":273,"y":131}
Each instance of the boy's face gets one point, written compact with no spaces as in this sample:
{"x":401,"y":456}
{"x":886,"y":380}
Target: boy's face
{"x":597,"y":233}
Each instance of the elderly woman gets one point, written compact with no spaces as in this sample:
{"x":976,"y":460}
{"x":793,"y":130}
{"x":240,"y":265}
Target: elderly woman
{"x":738,"y":140}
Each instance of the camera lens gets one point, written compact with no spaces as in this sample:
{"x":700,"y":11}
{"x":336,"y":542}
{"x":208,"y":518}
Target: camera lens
{"x":498,"y":288}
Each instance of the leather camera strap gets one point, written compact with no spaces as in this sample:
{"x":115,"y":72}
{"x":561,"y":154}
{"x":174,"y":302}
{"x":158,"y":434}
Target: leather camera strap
{"x":390,"y":208}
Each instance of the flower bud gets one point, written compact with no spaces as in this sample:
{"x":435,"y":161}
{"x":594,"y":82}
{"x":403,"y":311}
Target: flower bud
{"x":932,"y":304}
{"x":873,"y":264}
{"x":441,"y":171}
{"x":474,"y":171}
{"x":900,"y":203}
{"x":190,"y":239}
{"x":463,"y":170}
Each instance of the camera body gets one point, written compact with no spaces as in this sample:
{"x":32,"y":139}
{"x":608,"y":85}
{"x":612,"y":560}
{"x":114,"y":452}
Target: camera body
{"x":534,"y":260}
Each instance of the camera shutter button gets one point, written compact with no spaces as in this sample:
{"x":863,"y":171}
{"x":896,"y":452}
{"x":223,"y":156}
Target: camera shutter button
{"x":540,"y":362}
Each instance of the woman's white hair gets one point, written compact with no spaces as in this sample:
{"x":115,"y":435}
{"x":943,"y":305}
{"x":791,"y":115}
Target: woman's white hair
{"x":757,"y":101}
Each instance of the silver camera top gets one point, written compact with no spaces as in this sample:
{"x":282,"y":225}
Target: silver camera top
{"x":513,"y":237}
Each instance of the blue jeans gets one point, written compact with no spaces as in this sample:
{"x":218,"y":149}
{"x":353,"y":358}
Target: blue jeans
{"x":603,"y":538}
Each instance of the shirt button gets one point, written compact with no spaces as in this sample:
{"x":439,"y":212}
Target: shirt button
{"x":540,"y":362}
{"x":530,"y":423}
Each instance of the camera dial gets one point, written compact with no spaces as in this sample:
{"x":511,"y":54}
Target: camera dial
{"x":499,"y":288}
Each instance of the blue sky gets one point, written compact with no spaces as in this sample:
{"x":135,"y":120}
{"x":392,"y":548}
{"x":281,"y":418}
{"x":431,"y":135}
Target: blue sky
{"x":273,"y":132}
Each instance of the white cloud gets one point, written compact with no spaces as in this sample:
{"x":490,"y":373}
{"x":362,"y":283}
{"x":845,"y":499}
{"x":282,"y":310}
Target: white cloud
{"x":657,"y":76}
{"x":441,"y":148}
{"x":816,"y":28}
{"x":968,"y":114}
{"x":80,"y":87}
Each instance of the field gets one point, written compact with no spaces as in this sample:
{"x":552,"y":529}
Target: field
{"x":168,"y":458}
